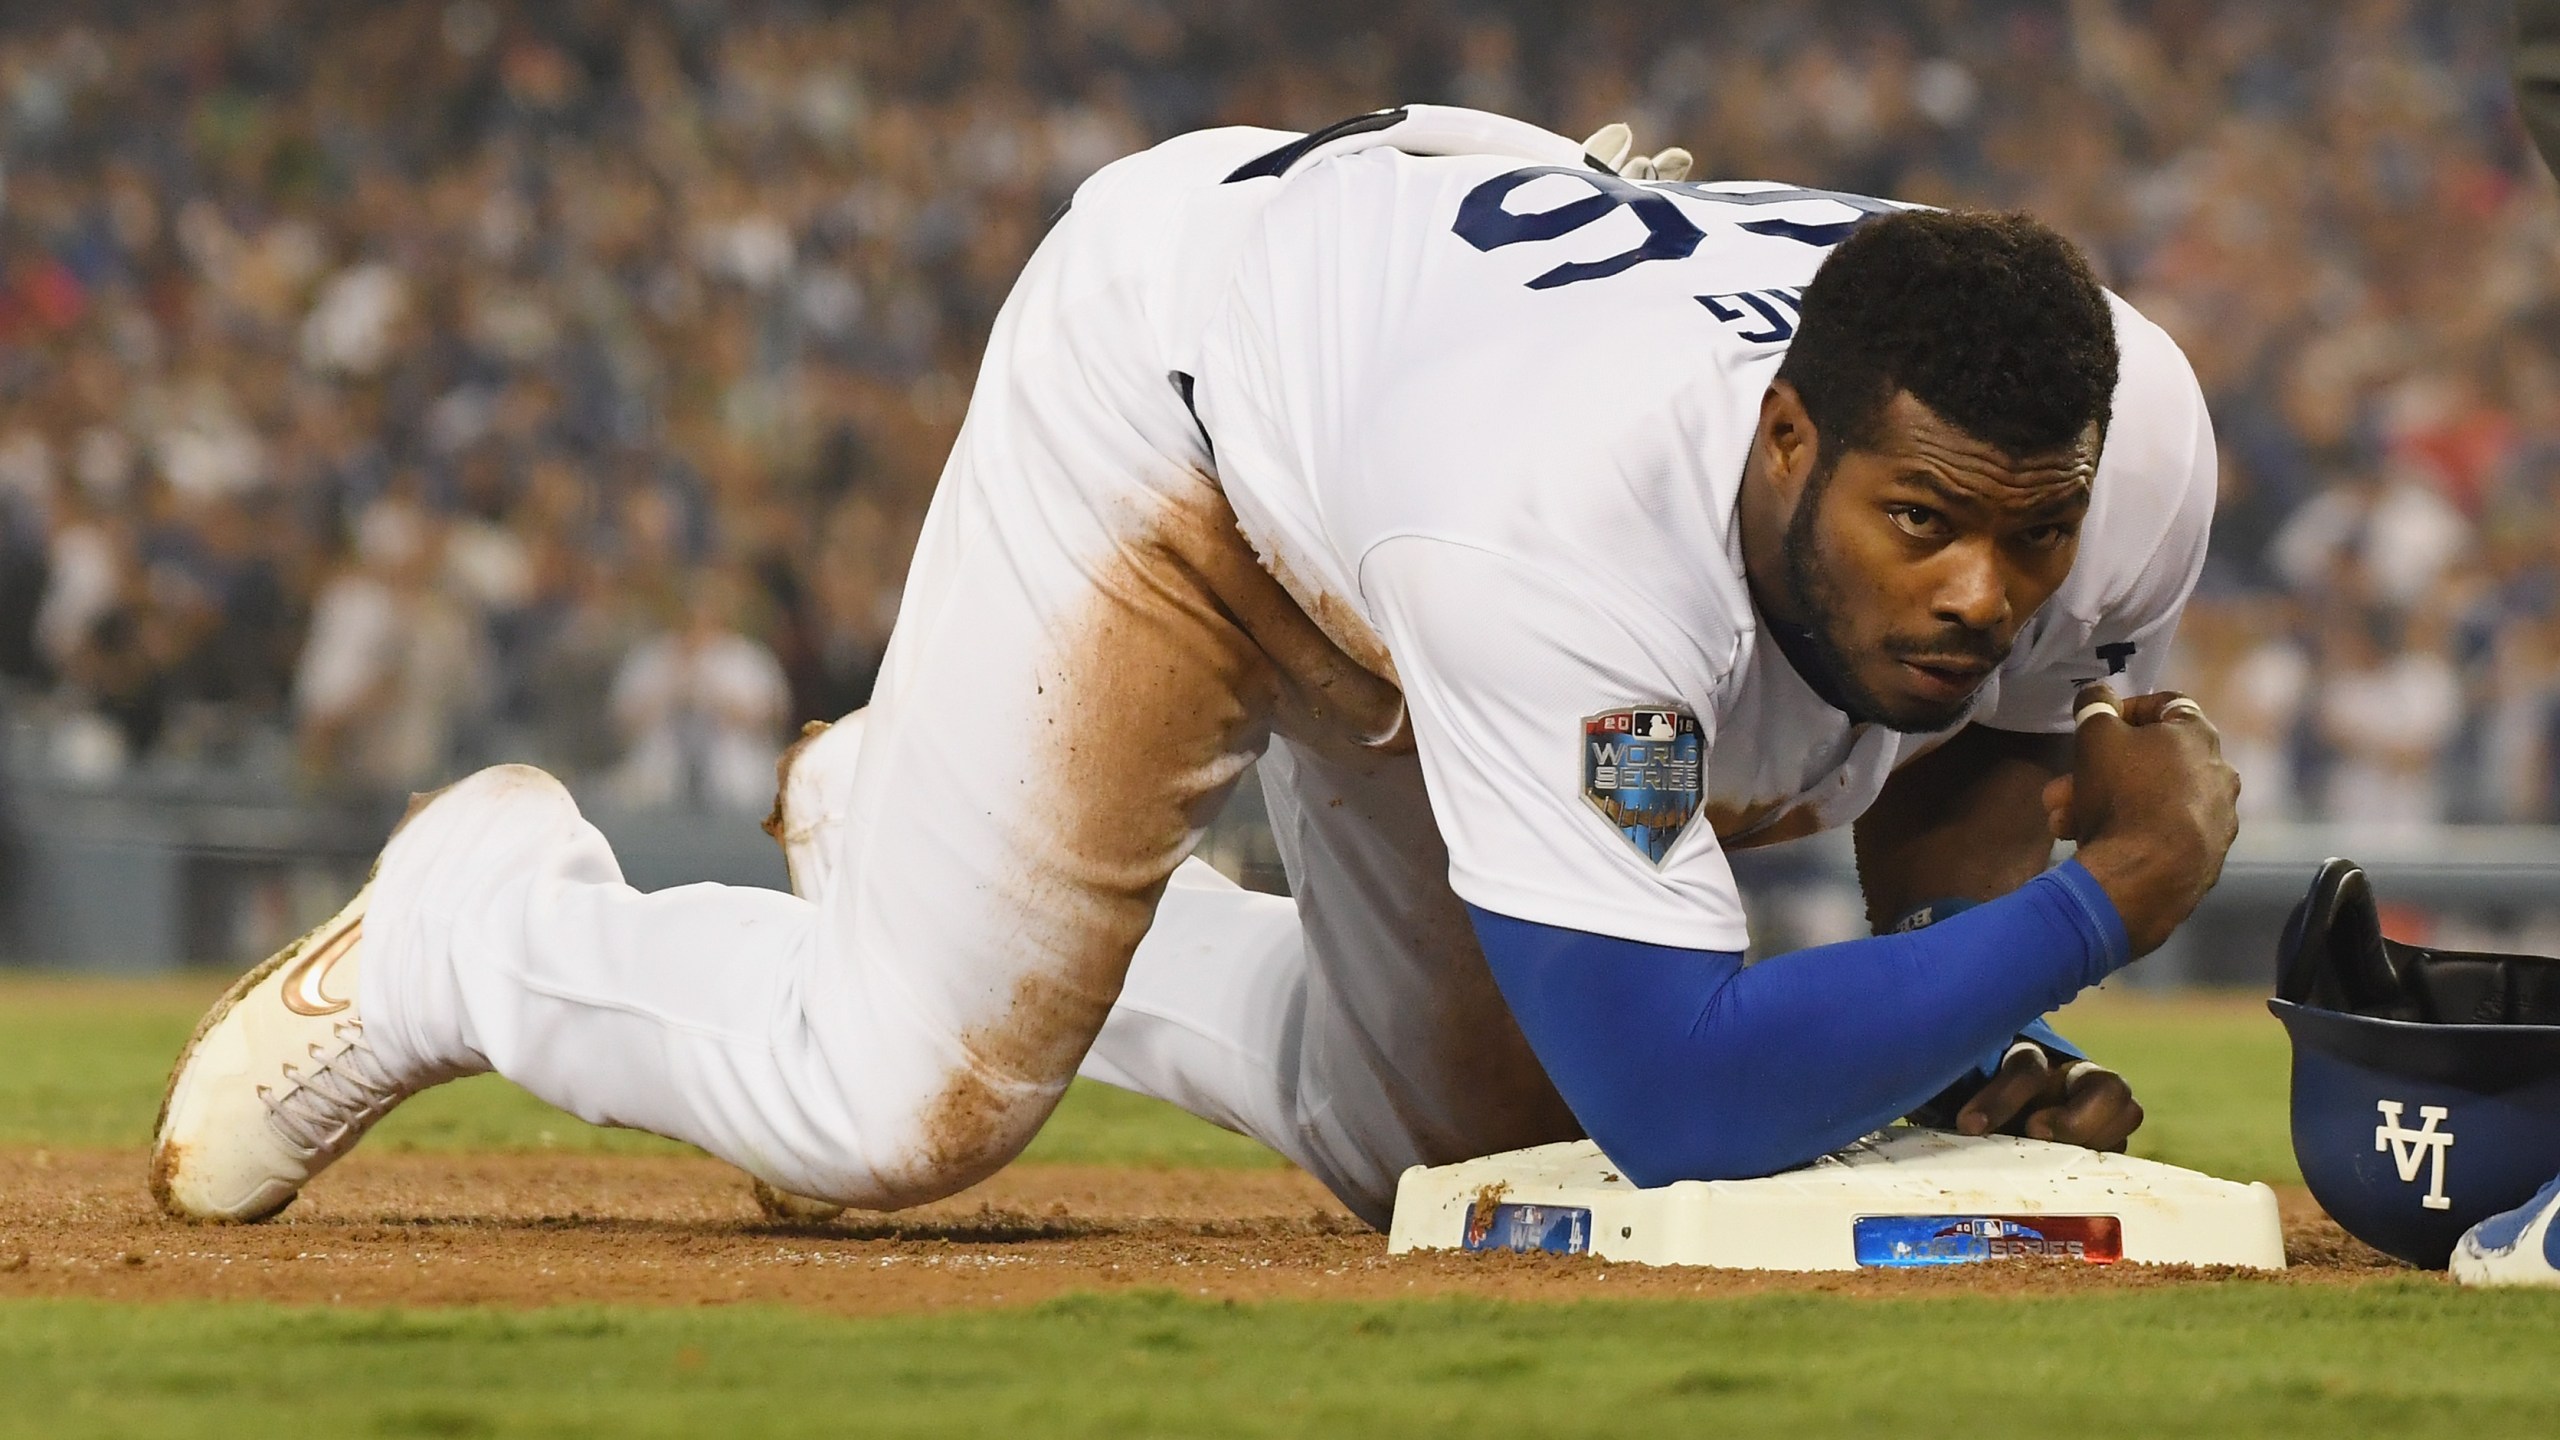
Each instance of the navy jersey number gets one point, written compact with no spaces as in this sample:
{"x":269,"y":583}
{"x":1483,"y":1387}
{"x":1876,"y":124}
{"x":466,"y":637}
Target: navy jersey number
{"x":1669,"y":233}
{"x":1485,"y":224}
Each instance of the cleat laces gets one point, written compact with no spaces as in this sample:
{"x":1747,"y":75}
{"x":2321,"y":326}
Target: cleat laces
{"x":343,"y":1091}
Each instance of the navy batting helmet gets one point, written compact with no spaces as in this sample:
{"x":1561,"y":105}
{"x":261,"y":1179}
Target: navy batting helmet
{"x":2426,"y":1083}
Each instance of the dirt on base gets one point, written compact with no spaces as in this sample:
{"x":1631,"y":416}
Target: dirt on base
{"x":386,"y":1229}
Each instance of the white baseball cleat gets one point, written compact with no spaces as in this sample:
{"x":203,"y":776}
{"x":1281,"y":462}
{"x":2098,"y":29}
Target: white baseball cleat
{"x":278,"y":1079}
{"x":813,"y":786}
{"x":2517,"y":1247}
{"x":813,"y":782}
{"x":276,"y":1082}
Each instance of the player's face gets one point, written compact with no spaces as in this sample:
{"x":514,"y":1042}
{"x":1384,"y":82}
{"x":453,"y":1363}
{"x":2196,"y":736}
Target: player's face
{"x":1917,"y":560}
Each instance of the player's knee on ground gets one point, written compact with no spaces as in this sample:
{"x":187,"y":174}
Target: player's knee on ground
{"x":972,"y":1122}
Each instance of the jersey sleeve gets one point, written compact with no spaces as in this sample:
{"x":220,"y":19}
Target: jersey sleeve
{"x":2142,"y":546}
{"x":1502,"y":666}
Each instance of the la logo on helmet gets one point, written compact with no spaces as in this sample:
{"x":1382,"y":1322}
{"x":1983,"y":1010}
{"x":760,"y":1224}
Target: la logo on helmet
{"x":2411,"y":1148}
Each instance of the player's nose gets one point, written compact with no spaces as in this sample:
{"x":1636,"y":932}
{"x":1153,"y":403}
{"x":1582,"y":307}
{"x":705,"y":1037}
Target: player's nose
{"x":1971,"y":592}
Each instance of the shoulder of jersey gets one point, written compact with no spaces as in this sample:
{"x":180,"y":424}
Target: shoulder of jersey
{"x":2154,"y":494}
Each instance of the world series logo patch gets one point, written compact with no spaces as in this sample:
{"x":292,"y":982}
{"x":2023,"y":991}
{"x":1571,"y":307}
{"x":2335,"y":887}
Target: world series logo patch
{"x":1643,"y":771}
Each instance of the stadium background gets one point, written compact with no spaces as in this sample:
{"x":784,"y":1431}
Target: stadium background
{"x":389,"y":389}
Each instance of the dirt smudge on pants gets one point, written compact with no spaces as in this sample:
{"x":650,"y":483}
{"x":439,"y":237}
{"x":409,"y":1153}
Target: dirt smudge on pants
{"x":1161,"y":693}
{"x":1338,"y":684}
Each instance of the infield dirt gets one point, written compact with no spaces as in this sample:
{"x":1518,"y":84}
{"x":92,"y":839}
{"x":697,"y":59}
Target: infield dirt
{"x":387,"y":1229}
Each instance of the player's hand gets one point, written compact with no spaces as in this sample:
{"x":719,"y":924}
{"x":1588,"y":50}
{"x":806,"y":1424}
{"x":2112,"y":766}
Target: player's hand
{"x":2152,"y":805}
{"x":2077,"y":1102}
{"x":1614,"y":145}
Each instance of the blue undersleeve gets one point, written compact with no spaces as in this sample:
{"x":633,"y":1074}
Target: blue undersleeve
{"x":1686,"y":1065}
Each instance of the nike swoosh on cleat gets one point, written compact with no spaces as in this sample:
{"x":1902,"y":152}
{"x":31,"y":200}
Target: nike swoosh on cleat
{"x":306,"y":980}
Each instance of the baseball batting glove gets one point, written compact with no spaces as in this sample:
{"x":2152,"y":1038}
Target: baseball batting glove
{"x":1614,"y":145}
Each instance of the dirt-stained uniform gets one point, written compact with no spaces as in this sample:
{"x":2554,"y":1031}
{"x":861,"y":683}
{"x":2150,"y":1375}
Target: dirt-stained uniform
{"x":1412,"y":475}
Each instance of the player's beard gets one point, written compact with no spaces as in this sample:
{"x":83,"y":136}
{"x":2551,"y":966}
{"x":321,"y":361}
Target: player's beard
{"x":1826,"y":632}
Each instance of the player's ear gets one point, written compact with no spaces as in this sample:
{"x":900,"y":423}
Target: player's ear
{"x":1787,"y":440}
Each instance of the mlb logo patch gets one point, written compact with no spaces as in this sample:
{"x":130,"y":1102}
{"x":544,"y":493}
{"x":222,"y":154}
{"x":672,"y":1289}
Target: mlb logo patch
{"x":1644,"y":771}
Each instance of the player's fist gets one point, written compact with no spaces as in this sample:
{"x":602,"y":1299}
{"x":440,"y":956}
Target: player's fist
{"x":2151,"y":803}
{"x":2078,"y":1102}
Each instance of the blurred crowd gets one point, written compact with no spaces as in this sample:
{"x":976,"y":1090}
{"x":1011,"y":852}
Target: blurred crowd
{"x":393,"y":387}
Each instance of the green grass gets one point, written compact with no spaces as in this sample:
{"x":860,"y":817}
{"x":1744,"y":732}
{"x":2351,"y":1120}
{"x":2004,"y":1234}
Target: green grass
{"x":82,"y":1063}
{"x":2401,"y":1358}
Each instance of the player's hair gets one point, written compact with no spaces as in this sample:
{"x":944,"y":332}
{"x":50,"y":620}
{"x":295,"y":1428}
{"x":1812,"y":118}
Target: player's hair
{"x":1989,"y":318}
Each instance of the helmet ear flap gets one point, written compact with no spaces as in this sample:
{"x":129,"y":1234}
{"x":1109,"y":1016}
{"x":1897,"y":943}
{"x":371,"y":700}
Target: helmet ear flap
{"x":2333,"y":956}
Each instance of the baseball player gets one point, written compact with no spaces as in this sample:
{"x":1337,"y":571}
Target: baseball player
{"x":1546,"y":534}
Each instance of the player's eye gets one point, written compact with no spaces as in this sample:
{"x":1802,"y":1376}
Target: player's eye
{"x":1918,"y":521}
{"x":2047,"y":537}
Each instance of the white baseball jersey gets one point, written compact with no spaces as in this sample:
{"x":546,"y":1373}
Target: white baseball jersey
{"x":1500,"y":413}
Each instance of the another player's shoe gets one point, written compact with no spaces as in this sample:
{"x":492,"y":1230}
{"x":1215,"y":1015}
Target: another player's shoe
{"x":276,"y":1082}
{"x":2517,"y":1247}
{"x":812,"y":783}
